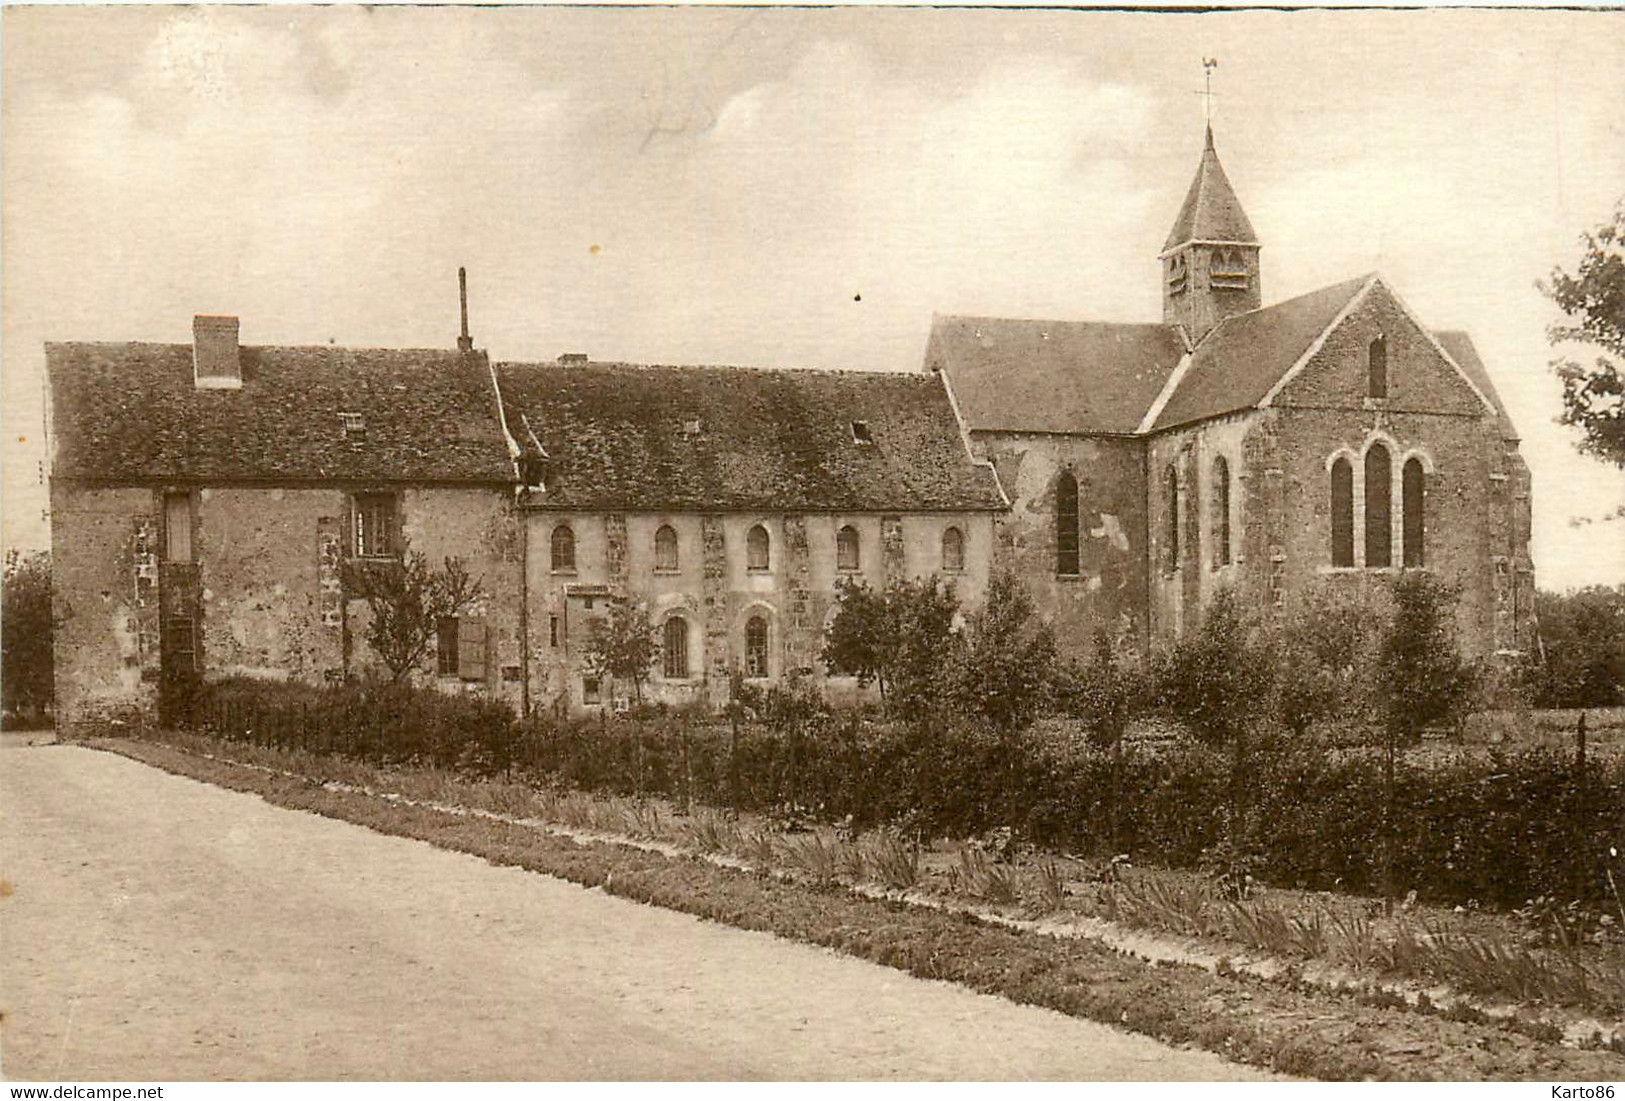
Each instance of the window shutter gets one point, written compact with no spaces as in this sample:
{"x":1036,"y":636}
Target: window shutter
{"x":471,"y":649}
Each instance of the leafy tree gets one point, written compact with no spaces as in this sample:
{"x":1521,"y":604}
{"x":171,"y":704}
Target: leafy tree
{"x":1421,"y":679}
{"x":407,"y":599}
{"x":26,"y":624}
{"x":1322,"y":658}
{"x":1594,"y":300}
{"x":1106,"y":694}
{"x":623,"y":646}
{"x":1581,"y":661}
{"x":1217,"y":679}
{"x":902,"y":639}
{"x":1005,"y":671}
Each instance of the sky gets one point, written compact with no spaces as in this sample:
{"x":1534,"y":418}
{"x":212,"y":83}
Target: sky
{"x":788,"y":188}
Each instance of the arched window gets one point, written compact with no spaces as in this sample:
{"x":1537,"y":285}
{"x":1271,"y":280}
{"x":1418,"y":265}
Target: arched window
{"x":563,"y":549}
{"x":1414,"y":482}
{"x":846,"y":549}
{"x":674,"y":648}
{"x":1342,"y":512}
{"x":1377,"y":368}
{"x":953,"y":550}
{"x":1066,"y":525}
{"x":1379,"y":489}
{"x":756,"y":548}
{"x":1221,"y":512}
{"x":666,"y":548}
{"x":1171,"y":519}
{"x":756,"y":647}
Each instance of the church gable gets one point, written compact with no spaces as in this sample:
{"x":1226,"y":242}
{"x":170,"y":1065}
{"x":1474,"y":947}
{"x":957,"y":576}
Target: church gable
{"x":1376,"y":352}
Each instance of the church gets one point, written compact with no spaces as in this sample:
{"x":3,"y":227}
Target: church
{"x":1330,"y":440}
{"x":205,"y":496}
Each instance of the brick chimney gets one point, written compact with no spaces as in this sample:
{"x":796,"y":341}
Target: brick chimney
{"x":215,"y":362}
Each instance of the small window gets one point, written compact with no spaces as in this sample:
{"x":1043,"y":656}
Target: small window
{"x":1066,"y":525}
{"x":177,"y":527}
{"x":846,"y":549}
{"x":674,"y":649}
{"x":1413,"y":491}
{"x":1176,"y":273}
{"x":1379,"y":489}
{"x":861,"y":433}
{"x":589,"y":691}
{"x":691,"y":427}
{"x":445,"y":639}
{"x":1228,"y":270}
{"x":375,"y":525}
{"x":953,"y":550}
{"x":353,"y":426}
{"x":666,"y":549}
{"x":756,"y":647}
{"x":1221,"y":513}
{"x":1171,"y":518}
{"x":1377,"y":368}
{"x":563,"y":549}
{"x":553,"y":631}
{"x":757,"y":549}
{"x":1342,"y":513}
{"x":180,"y":644}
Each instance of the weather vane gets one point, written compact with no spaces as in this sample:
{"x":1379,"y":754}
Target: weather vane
{"x":1208,"y":65}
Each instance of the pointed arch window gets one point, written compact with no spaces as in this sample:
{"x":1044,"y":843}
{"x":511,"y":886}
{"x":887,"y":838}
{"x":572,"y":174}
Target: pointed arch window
{"x":1221,"y":512}
{"x":674,"y":648}
{"x":563,"y":549}
{"x":1342,"y":513}
{"x":666,"y":549}
{"x":1170,"y":480}
{"x":1376,"y":368}
{"x":846,"y":549}
{"x":1066,"y":525}
{"x":756,"y":647}
{"x":1379,"y":489}
{"x":1413,"y":493}
{"x":758,"y":549}
{"x":953,"y":550}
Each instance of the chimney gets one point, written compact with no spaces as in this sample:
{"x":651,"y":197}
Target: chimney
{"x":465,"y":343}
{"x":216,"y":364}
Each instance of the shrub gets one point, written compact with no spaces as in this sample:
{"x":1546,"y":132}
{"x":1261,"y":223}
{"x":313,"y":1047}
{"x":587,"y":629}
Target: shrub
{"x":26,"y":627}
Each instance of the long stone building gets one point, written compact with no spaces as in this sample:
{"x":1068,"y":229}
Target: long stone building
{"x":205,"y":496}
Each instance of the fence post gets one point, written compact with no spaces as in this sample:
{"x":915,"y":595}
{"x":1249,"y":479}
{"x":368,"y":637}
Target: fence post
{"x":733,"y":760}
{"x":688,"y":780}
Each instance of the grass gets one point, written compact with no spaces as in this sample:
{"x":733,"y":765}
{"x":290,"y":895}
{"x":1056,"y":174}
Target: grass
{"x":1287,"y":1029}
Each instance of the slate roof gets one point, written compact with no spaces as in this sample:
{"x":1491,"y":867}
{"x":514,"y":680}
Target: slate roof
{"x":1461,"y":349}
{"x":624,"y":436}
{"x":130,"y":412}
{"x":1053,"y":376}
{"x":1211,"y":211}
{"x":1238,"y":362}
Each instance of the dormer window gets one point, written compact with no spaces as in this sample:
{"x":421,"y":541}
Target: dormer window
{"x":1227,"y":270}
{"x":861,"y":433}
{"x":353,"y":425}
{"x":691,"y":427}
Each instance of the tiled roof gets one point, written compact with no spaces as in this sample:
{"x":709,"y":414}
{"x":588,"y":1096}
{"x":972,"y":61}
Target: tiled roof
{"x":1211,"y":211}
{"x":131,"y":412}
{"x":1053,"y":376}
{"x":622,"y":436}
{"x":1461,"y":349}
{"x":1238,"y":362}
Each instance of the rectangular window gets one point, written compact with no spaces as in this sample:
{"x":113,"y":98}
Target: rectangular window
{"x":553,"y":631}
{"x":180,"y":643}
{"x":471,"y":647}
{"x":375,"y":525}
{"x":589,"y":690}
{"x":445,"y":637}
{"x":177,"y":527}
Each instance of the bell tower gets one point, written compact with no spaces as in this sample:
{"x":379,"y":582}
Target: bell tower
{"x":1210,"y":261}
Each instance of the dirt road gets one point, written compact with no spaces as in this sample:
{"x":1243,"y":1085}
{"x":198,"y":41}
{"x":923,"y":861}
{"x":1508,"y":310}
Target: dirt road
{"x":158,"y":928}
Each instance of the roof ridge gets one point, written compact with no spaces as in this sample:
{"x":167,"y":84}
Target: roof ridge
{"x":553,"y":365}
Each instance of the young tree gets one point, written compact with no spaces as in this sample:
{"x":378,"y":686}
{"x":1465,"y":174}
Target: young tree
{"x":26,"y":624}
{"x":1005,"y":671}
{"x":1594,"y":300}
{"x":1322,"y":657}
{"x":406,"y":601}
{"x":1106,"y":694}
{"x":902,"y":639}
{"x":1218,"y":677}
{"x":1421,"y":679}
{"x":623,"y":648}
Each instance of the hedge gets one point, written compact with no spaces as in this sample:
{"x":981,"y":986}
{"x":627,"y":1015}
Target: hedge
{"x":1498,"y":831}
